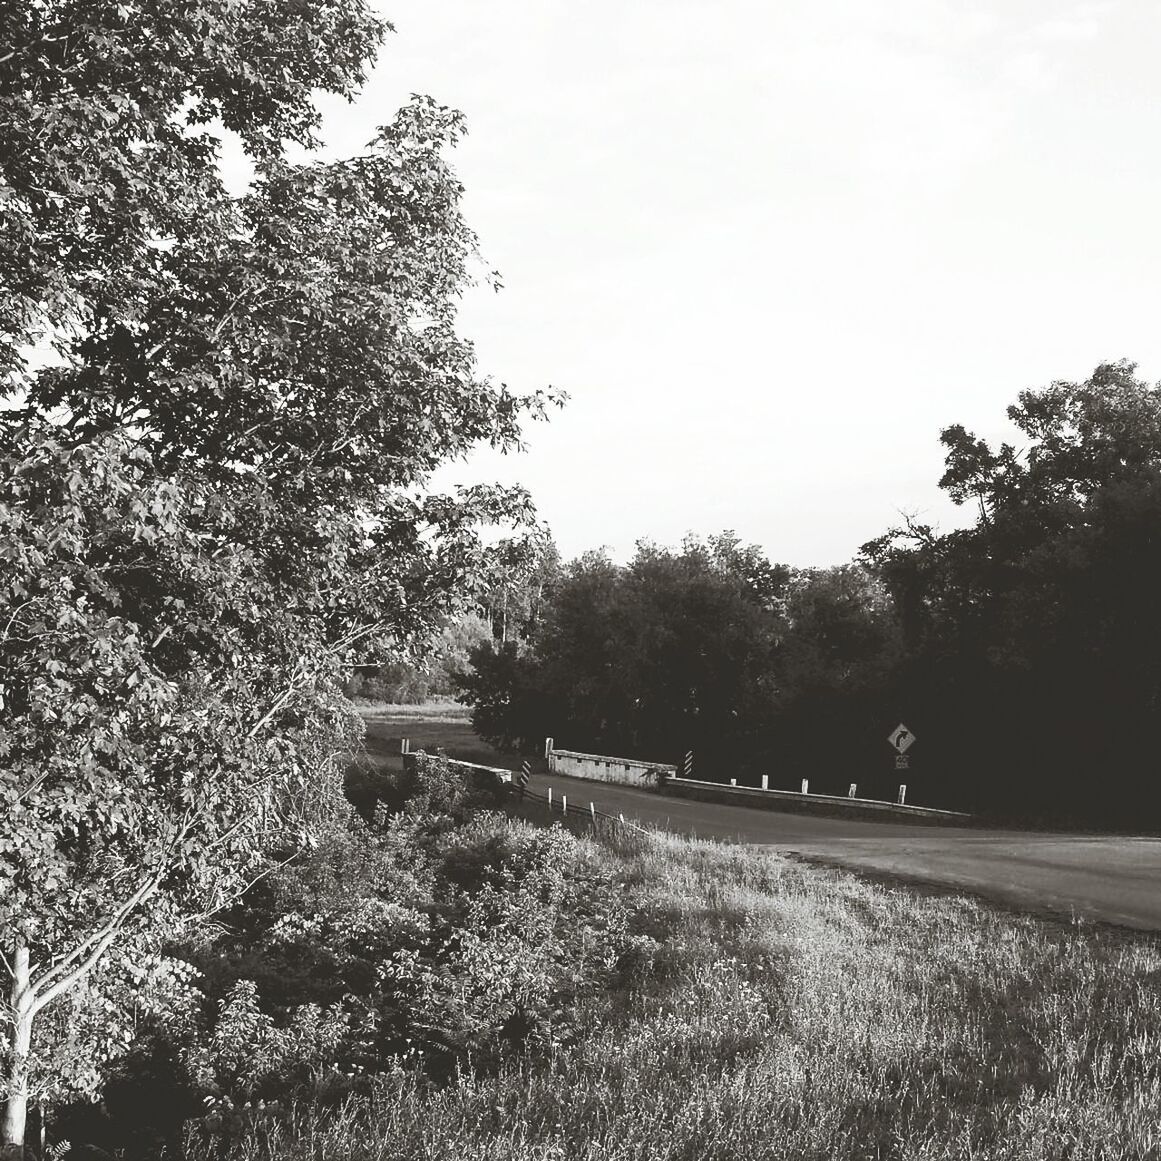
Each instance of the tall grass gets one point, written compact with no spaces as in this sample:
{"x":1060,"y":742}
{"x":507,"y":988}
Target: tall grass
{"x":776,"y":1010}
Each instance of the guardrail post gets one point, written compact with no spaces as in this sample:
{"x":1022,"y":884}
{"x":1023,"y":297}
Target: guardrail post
{"x":851,"y":792}
{"x":765,"y":781}
{"x":902,"y":793}
{"x":806,"y":786}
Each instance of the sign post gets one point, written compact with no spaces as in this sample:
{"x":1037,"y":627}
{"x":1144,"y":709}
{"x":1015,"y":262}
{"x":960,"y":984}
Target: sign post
{"x":901,"y":739}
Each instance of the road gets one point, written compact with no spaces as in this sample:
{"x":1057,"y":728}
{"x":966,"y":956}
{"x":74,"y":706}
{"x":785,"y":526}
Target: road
{"x":1112,"y":878}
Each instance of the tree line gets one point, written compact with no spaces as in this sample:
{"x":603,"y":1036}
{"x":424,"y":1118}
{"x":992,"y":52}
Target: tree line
{"x":1024,"y":651}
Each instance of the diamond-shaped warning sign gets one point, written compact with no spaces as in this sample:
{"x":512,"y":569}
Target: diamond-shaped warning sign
{"x":901,"y":739}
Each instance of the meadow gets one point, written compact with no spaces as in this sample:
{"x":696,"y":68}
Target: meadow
{"x":761,"y":1008}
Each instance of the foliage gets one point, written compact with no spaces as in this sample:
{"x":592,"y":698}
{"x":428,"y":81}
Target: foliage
{"x":213,"y":501}
{"x":402,"y":682}
{"x":669,"y":653}
{"x":711,"y":648}
{"x":1033,"y":636}
{"x":796,"y":1011}
{"x":523,"y":573}
{"x":443,"y":939}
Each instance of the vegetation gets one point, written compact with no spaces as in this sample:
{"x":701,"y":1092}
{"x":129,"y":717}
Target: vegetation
{"x":1040,"y":622}
{"x":737,"y":1005}
{"x":1023,"y":652}
{"x":215,"y":504}
{"x":430,"y":676}
{"x":710,"y":648}
{"x":447,"y":981}
{"x":214,"y":499}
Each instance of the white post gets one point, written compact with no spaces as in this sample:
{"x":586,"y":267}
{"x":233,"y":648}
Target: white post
{"x":405,"y":745}
{"x":765,"y":781}
{"x":593,"y":812}
{"x":548,"y":747}
{"x":550,"y":800}
{"x":851,"y":792}
{"x":733,"y":782}
{"x":902,"y":793}
{"x":806,"y":786}
{"x":564,"y":804}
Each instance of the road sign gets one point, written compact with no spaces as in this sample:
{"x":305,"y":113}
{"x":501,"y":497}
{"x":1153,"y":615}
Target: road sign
{"x":901,"y":739}
{"x":902,"y":762}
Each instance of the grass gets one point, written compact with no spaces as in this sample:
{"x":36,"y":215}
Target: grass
{"x":778,"y":1010}
{"x":438,"y":711}
{"x":432,"y":727}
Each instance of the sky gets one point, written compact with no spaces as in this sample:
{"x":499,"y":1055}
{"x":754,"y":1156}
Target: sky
{"x":771,"y":249}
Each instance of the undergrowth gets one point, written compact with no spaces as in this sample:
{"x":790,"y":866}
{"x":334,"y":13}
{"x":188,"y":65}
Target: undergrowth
{"x":445,"y":981}
{"x":684,"y":1000}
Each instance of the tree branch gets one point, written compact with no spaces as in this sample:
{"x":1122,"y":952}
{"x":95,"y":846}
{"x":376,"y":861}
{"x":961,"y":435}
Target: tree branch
{"x":63,"y":975}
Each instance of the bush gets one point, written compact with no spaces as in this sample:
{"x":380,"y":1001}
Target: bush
{"x":442,"y":938}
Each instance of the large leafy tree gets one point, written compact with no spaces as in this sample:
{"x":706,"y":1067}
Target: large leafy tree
{"x":1033,"y":636}
{"x":213,"y":494}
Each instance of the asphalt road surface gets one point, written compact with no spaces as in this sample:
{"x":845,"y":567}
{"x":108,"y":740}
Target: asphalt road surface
{"x":1112,"y":878}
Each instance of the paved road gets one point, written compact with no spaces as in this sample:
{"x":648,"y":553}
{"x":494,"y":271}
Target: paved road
{"x":1116,"y":879}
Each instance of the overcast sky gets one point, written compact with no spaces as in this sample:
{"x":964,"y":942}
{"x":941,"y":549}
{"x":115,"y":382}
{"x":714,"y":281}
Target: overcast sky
{"x":771,"y":248}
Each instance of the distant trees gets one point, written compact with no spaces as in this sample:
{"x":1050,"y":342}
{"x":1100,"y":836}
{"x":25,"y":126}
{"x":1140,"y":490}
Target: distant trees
{"x":522,"y":572}
{"x":709,"y":647}
{"x":213,"y":499}
{"x":647,"y":659}
{"x":430,"y":675}
{"x":1024,"y":651}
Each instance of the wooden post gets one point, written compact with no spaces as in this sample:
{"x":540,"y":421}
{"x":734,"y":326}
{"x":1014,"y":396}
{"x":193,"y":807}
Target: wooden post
{"x":765,"y":781}
{"x":806,"y":786}
{"x":851,"y":792}
{"x":902,"y":793}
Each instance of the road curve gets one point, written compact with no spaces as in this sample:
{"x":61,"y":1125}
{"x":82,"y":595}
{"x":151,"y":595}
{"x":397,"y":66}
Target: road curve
{"x":1109,"y":878}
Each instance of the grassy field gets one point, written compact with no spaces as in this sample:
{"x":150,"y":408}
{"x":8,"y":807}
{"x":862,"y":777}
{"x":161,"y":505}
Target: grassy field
{"x":787,"y":1011}
{"x":432,"y":727}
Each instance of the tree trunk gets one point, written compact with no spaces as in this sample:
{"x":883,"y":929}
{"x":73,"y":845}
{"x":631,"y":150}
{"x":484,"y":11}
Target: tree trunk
{"x":16,"y":1107}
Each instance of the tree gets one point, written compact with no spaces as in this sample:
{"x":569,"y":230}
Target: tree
{"x":1032,"y":637}
{"x":676,"y":650}
{"x":523,"y":571}
{"x":214,"y":500}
